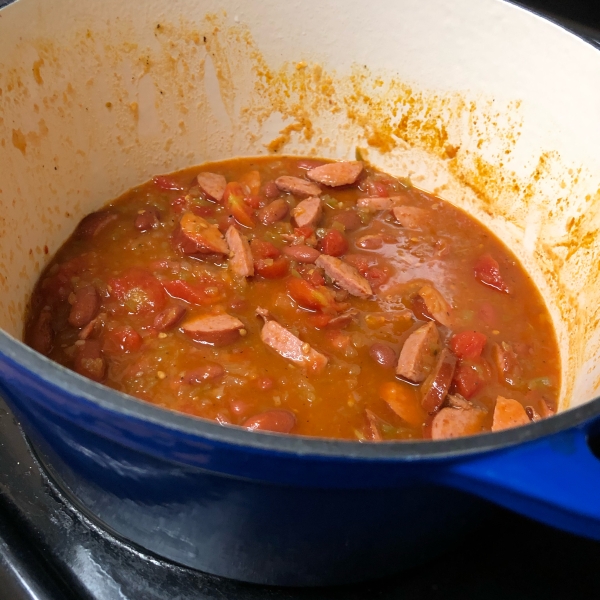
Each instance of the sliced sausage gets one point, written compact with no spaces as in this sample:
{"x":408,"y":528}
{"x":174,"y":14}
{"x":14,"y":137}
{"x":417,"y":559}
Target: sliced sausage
{"x":92,"y":224}
{"x":436,"y":305}
{"x":218,"y":330}
{"x":456,"y":422}
{"x":213,"y":185}
{"x":93,"y":327}
{"x":383,"y":354}
{"x":297,"y":187}
{"x":273,"y":212}
{"x":336,"y":174}
{"x":241,"y":261}
{"x":349,"y":219}
{"x":89,"y":360}
{"x":195,"y":235}
{"x":291,"y":347}
{"x":345,"y":275}
{"x":207,"y":372}
{"x":308,"y":212}
{"x":435,"y":388}
{"x":343,"y":320}
{"x":302,"y":253}
{"x":410,"y":217}
{"x":508,"y":413}
{"x":85,"y":307}
{"x":168,"y":318}
{"x":374,"y":422}
{"x":417,"y":356}
{"x":507,"y":363}
{"x":147,"y":219}
{"x":43,"y":334}
{"x":376,"y":203}
{"x":277,"y":420}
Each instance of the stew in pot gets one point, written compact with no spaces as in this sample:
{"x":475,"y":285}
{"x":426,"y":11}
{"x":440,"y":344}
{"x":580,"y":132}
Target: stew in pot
{"x":301,"y":296}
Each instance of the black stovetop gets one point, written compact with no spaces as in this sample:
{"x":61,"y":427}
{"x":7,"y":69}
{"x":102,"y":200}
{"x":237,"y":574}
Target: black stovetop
{"x":50,"y":551}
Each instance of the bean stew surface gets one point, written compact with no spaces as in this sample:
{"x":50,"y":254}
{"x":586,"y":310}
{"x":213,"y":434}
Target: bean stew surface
{"x":300,"y":296}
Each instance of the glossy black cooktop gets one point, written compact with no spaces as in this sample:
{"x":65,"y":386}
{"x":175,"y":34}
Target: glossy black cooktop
{"x":49,"y":551}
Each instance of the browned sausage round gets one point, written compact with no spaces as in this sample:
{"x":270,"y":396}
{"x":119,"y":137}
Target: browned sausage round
{"x":147,"y":219}
{"x":85,"y":307}
{"x":169,"y":317}
{"x":273,"y":212}
{"x":278,"y":420}
{"x":349,"y":219}
{"x":383,"y":354}
{"x":94,"y":223}
{"x":206,"y":372}
{"x":302,"y":253}
{"x":89,"y":360}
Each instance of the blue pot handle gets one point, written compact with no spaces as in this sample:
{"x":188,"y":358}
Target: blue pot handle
{"x":555,"y":480}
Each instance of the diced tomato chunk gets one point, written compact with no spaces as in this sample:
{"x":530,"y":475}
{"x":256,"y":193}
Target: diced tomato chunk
{"x":487,"y":270}
{"x":319,"y":320}
{"x":261,"y":249}
{"x":195,"y":293}
{"x":272,"y":268}
{"x":204,"y":211}
{"x":166,"y":183}
{"x":310,"y":296}
{"x":253,"y":201}
{"x":305,"y":231}
{"x":470,"y":376}
{"x":251,"y":180}
{"x":314,"y":277}
{"x":377,"y":276}
{"x":233,"y":199}
{"x":138,"y":291}
{"x":333,"y":243}
{"x":468,"y":344}
{"x":359,"y":261}
{"x":122,"y":339}
{"x":179,"y":204}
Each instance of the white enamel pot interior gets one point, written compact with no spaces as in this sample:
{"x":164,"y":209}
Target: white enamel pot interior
{"x":478,"y":101}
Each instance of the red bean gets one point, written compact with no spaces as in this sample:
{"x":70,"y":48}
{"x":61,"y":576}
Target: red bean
{"x":273,"y":212}
{"x":206,"y":372}
{"x":370,"y":242}
{"x":270,"y":190}
{"x":147,"y":219}
{"x":85,"y":307}
{"x":302,"y":253}
{"x":169,"y":317}
{"x":383,"y":354}
{"x":349,"y":219}
{"x":278,"y":420}
{"x":43,"y":333}
{"x":89,"y":360}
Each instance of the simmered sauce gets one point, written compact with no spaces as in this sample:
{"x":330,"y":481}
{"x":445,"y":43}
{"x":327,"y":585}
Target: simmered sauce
{"x":157,"y":294}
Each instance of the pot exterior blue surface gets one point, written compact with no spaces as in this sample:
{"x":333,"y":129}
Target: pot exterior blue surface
{"x":272,"y":533}
{"x":286,"y":510}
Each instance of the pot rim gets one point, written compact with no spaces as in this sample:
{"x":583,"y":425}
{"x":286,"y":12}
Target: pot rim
{"x":77,"y":387}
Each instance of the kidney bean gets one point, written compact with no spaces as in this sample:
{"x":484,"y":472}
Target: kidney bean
{"x":349,"y":219}
{"x":278,"y":420}
{"x":147,"y":219}
{"x":43,"y":333}
{"x":370,"y":242}
{"x":89,"y":360}
{"x":270,"y":190}
{"x":206,"y":372}
{"x":273,"y":212}
{"x":302,"y":253}
{"x":383,"y":354}
{"x":169,"y":317}
{"x":85,"y":307}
